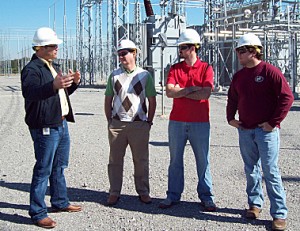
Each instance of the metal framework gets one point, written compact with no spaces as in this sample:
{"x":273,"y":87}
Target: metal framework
{"x":101,"y":24}
{"x":138,"y":24}
{"x":88,"y":46}
{"x":109,"y":38}
{"x":65,"y":63}
{"x":275,"y":22}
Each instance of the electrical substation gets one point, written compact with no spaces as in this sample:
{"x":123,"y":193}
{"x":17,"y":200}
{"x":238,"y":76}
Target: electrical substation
{"x":155,"y":25}
{"x":276,"y":23}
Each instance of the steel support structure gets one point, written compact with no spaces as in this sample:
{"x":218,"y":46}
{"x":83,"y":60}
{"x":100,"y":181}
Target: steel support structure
{"x":65,"y":64}
{"x":119,"y":26}
{"x":276,"y":23}
{"x":109,"y":39}
{"x":137,"y":31}
{"x":87,"y":40}
{"x":99,"y":44}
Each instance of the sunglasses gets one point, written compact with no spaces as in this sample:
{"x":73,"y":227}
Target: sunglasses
{"x":124,"y":52}
{"x":242,"y":50}
{"x":184,"y":47}
{"x":52,"y":46}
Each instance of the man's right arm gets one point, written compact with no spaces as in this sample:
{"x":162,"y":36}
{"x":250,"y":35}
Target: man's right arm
{"x":231,"y":107}
{"x":174,"y":91}
{"x":31,"y":85}
{"x":108,"y":107}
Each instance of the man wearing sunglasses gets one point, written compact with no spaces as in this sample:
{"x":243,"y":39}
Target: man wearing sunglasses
{"x":48,"y":108}
{"x":189,"y":83}
{"x":129,"y":121}
{"x":262,"y":97}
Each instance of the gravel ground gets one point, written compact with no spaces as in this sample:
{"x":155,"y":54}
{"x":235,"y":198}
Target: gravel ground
{"x":87,"y":173}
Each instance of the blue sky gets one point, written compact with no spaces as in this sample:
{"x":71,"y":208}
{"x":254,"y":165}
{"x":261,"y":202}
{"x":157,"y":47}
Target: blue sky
{"x":29,"y":14}
{"x":20,"y":18}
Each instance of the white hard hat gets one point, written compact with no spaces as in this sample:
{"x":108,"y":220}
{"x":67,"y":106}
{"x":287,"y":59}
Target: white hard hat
{"x":127,"y":44}
{"x":189,"y":36}
{"x":45,"y":36}
{"x":249,"y":40}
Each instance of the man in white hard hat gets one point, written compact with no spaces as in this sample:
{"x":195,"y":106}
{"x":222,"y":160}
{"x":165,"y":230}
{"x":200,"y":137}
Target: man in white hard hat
{"x":129,"y":121}
{"x":262,"y":97}
{"x":189,"y":83}
{"x":46,"y":92}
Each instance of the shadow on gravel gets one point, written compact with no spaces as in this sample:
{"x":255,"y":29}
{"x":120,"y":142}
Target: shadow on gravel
{"x":15,"y":218}
{"x":74,"y":194}
{"x":84,"y":113}
{"x":94,"y":86}
{"x":159,"y":143}
{"x":291,"y":149}
{"x":186,"y":209}
{"x":295,"y":108}
{"x":132,"y":203}
{"x":290,"y":179}
{"x":166,"y":143}
{"x":13,"y":206}
{"x":12,"y":88}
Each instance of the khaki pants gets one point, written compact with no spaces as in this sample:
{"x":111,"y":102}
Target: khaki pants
{"x":136,"y":135}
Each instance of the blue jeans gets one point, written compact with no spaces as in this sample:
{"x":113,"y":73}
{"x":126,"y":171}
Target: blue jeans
{"x":52,"y":157}
{"x":198,"y":135}
{"x":261,"y":149}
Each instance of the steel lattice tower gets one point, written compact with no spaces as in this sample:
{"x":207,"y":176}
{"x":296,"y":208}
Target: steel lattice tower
{"x":138,"y":21}
{"x":88,"y":47}
{"x":65,"y":44}
{"x":276,"y":23}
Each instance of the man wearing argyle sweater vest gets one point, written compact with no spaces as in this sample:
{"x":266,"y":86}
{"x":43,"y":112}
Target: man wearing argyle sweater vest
{"x":129,"y":121}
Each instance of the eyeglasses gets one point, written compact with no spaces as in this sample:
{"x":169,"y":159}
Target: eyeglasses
{"x":124,"y":52}
{"x":242,"y":50}
{"x":52,"y":46}
{"x":184,"y":47}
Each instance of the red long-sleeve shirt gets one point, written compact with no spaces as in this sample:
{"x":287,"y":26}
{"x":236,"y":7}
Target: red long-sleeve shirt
{"x":259,"y":94}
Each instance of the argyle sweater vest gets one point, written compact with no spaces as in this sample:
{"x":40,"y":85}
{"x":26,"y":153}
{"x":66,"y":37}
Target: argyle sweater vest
{"x":129,"y":95}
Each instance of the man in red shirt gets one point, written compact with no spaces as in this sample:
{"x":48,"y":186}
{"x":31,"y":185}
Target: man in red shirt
{"x":189,"y":83}
{"x":262,"y":97}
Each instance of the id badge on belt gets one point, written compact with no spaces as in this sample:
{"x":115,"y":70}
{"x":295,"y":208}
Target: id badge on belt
{"x":46,"y":131}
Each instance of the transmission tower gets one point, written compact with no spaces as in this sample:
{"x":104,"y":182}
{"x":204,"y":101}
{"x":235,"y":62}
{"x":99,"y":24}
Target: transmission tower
{"x":65,"y":44}
{"x":100,"y":45}
{"x":138,"y":22}
{"x":87,"y":48}
{"x":120,"y":25}
{"x":109,"y":39}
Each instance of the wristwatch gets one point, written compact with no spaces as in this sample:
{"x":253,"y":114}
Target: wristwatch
{"x":150,"y":122}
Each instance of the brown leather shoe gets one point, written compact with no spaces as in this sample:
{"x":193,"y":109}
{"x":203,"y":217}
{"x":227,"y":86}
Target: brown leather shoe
{"x":112,"y":200}
{"x":145,"y":199}
{"x":46,"y":223}
{"x":253,"y":212}
{"x":70,"y":209}
{"x":278,"y":224}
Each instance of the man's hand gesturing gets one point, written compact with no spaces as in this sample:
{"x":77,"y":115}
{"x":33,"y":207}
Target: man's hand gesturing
{"x":63,"y":81}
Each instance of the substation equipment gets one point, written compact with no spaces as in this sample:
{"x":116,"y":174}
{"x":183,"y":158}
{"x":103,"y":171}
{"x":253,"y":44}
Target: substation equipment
{"x":277,"y":24}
